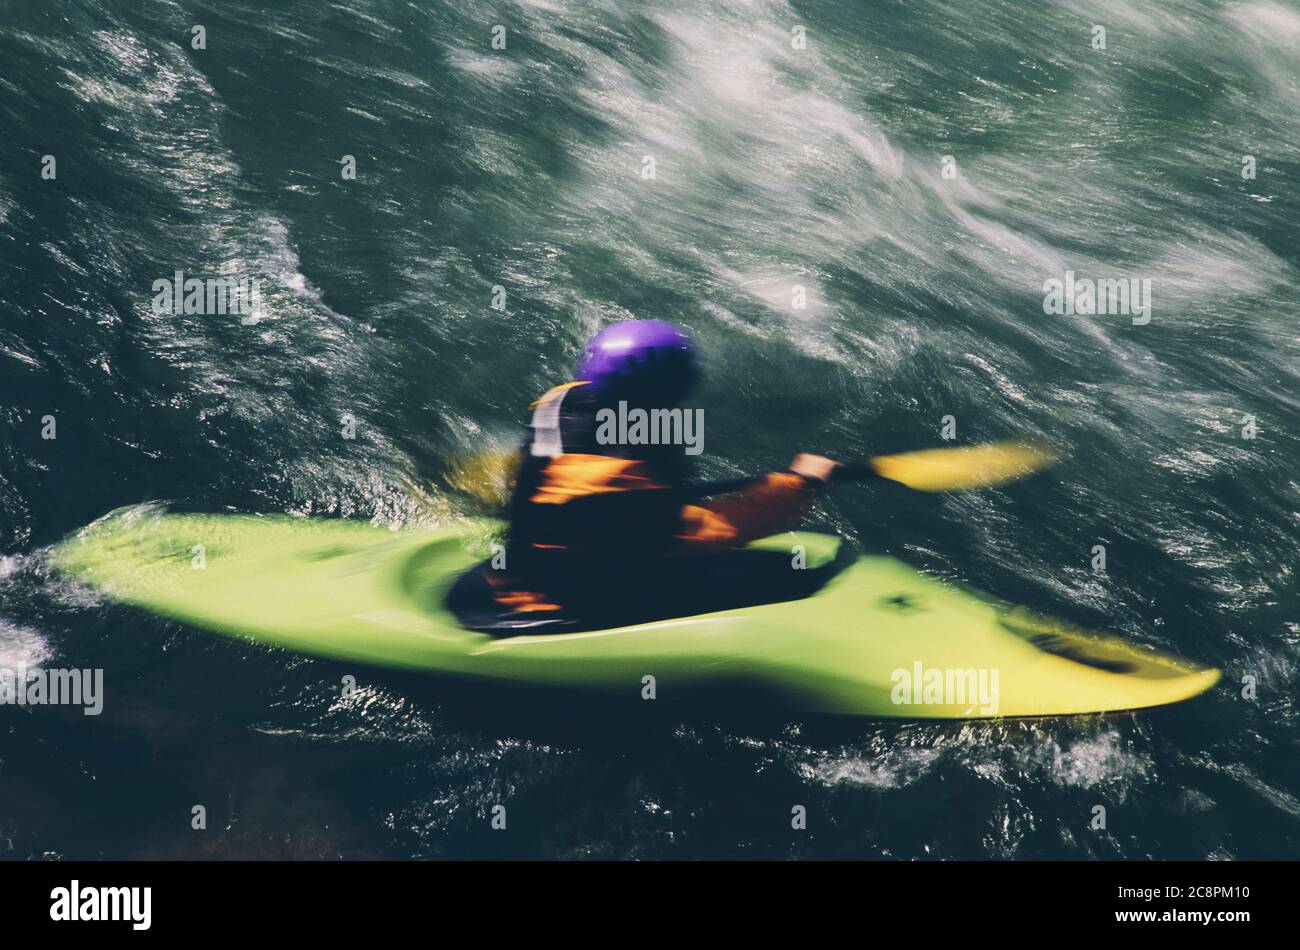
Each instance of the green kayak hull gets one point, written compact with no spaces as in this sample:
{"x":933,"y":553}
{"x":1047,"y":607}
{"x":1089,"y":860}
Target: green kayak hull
{"x":880,"y":639}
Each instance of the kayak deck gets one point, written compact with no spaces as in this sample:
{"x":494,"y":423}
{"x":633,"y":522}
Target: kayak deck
{"x":880,"y":639}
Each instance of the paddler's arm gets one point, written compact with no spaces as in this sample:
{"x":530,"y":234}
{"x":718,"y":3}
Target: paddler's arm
{"x":817,"y":469}
{"x":773,"y":504}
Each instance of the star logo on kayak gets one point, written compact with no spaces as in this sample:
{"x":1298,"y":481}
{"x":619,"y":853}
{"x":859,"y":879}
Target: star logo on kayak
{"x":903,"y":603}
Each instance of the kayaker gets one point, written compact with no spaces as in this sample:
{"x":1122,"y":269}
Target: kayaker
{"x":600,"y":523}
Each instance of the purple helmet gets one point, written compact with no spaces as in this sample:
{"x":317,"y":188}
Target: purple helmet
{"x":651,"y":362}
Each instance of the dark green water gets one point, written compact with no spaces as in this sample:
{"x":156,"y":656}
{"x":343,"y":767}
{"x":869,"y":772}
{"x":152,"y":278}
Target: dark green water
{"x":820,"y":167}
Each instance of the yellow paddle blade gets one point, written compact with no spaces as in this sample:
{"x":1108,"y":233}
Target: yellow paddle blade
{"x":973,"y":466}
{"x":488,"y":476}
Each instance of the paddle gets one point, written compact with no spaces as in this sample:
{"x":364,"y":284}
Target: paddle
{"x":488,"y":475}
{"x":930,"y":470}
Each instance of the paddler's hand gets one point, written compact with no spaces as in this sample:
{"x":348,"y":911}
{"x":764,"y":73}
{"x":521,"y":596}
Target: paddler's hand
{"x":815,"y":468}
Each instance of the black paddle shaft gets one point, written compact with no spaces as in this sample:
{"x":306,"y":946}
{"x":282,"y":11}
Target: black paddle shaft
{"x":854,"y":472}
